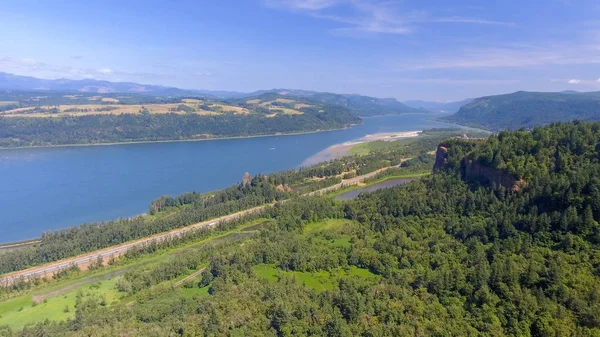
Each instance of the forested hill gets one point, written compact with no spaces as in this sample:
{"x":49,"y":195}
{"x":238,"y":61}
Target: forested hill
{"x":438,"y":106}
{"x":443,"y":256}
{"x":363,"y":106}
{"x":43,"y":118}
{"x":528,"y":109}
{"x":359,"y":105}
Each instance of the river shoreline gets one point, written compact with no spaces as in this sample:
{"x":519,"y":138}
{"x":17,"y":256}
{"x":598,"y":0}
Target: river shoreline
{"x":344,"y":149}
{"x":174,"y":140}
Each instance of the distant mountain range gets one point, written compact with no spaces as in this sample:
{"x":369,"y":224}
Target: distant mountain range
{"x":363,"y":106}
{"x":528,"y":109}
{"x":27,"y":83}
{"x":438,"y":106}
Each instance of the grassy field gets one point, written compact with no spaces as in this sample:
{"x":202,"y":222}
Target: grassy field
{"x":195,"y":106}
{"x":330,"y":224}
{"x":291,"y":107}
{"x":22,"y":310}
{"x":331,"y":231}
{"x":118,"y":109}
{"x":320,"y":281}
{"x":368,"y":147}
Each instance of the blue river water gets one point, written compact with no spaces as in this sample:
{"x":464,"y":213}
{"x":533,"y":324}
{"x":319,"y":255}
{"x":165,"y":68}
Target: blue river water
{"x":44,"y":189}
{"x":375,"y":187}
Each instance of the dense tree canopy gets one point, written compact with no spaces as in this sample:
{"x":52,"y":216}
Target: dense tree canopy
{"x":528,"y":109}
{"x":94,"y":129}
{"x":442,"y":256}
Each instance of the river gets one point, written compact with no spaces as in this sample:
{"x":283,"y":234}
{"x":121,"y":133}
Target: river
{"x":375,"y":187}
{"x":43,"y":189}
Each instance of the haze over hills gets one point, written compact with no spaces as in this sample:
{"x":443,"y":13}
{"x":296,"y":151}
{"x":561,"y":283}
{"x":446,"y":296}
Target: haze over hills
{"x":438,"y":106}
{"x":27,"y":83}
{"x":497,"y":112}
{"x":528,"y":109}
{"x":363,"y":106}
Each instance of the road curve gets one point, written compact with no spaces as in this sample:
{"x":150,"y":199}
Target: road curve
{"x":49,"y":269}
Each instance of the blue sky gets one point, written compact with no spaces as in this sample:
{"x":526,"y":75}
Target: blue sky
{"x":433,"y":50}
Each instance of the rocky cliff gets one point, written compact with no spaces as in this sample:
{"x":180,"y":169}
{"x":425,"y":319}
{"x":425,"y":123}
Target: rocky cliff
{"x":441,"y":157}
{"x":471,"y":170}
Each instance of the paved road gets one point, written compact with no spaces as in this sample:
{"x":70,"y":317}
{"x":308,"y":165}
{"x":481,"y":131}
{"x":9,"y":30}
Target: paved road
{"x":49,"y":269}
{"x":84,"y":260}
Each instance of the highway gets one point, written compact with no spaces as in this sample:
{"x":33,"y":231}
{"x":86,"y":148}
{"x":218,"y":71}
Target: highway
{"x":84,"y":260}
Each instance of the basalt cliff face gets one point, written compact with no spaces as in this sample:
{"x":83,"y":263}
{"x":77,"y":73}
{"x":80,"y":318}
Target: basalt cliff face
{"x":474,"y":171}
{"x":441,"y":157}
{"x":471,"y":170}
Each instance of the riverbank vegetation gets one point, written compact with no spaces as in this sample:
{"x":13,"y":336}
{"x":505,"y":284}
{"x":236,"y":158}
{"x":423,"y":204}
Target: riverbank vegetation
{"x":54,"y":119}
{"x":446,"y":255}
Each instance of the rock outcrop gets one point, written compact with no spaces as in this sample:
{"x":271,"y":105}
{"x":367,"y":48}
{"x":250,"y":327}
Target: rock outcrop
{"x":441,"y":156}
{"x":472,"y":170}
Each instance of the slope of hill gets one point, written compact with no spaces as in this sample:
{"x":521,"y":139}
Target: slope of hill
{"x":51,"y":118}
{"x":528,"y":109}
{"x":27,"y":83}
{"x":438,"y":106}
{"x":363,"y":106}
{"x":443,"y":256}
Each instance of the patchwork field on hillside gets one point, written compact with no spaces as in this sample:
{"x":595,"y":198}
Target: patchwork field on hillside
{"x":279,"y":105}
{"x":65,"y":110}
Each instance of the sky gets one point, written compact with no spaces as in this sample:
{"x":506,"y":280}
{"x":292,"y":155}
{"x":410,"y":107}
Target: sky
{"x":430,"y":49}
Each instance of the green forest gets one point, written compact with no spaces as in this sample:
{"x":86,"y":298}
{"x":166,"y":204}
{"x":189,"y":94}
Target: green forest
{"x":71,"y":119}
{"x":446,"y":255}
{"x":96,"y":129}
{"x":167,"y":213}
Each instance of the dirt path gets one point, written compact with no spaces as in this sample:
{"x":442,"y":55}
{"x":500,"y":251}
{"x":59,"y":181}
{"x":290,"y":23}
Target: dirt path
{"x":18,"y":245}
{"x":40,"y":298}
{"x":180,"y":282}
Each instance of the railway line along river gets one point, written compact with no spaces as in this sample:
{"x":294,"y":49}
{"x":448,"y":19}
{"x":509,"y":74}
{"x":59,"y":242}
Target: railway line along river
{"x":44,"y":189}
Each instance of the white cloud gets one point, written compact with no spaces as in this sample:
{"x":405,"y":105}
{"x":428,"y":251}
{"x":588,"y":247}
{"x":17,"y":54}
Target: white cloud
{"x":505,"y":57}
{"x":598,"y":80}
{"x":574,"y":81}
{"x":303,"y":4}
{"x":460,"y":19}
{"x":371,"y":16}
{"x":452,"y":81}
{"x":31,"y":67}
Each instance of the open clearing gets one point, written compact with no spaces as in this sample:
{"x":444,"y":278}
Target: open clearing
{"x":110,"y":100}
{"x":319,"y":281}
{"x":99,"y":105}
{"x":327,"y":232}
{"x":76,"y":110}
{"x":18,"y":311}
{"x":280,"y":105}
